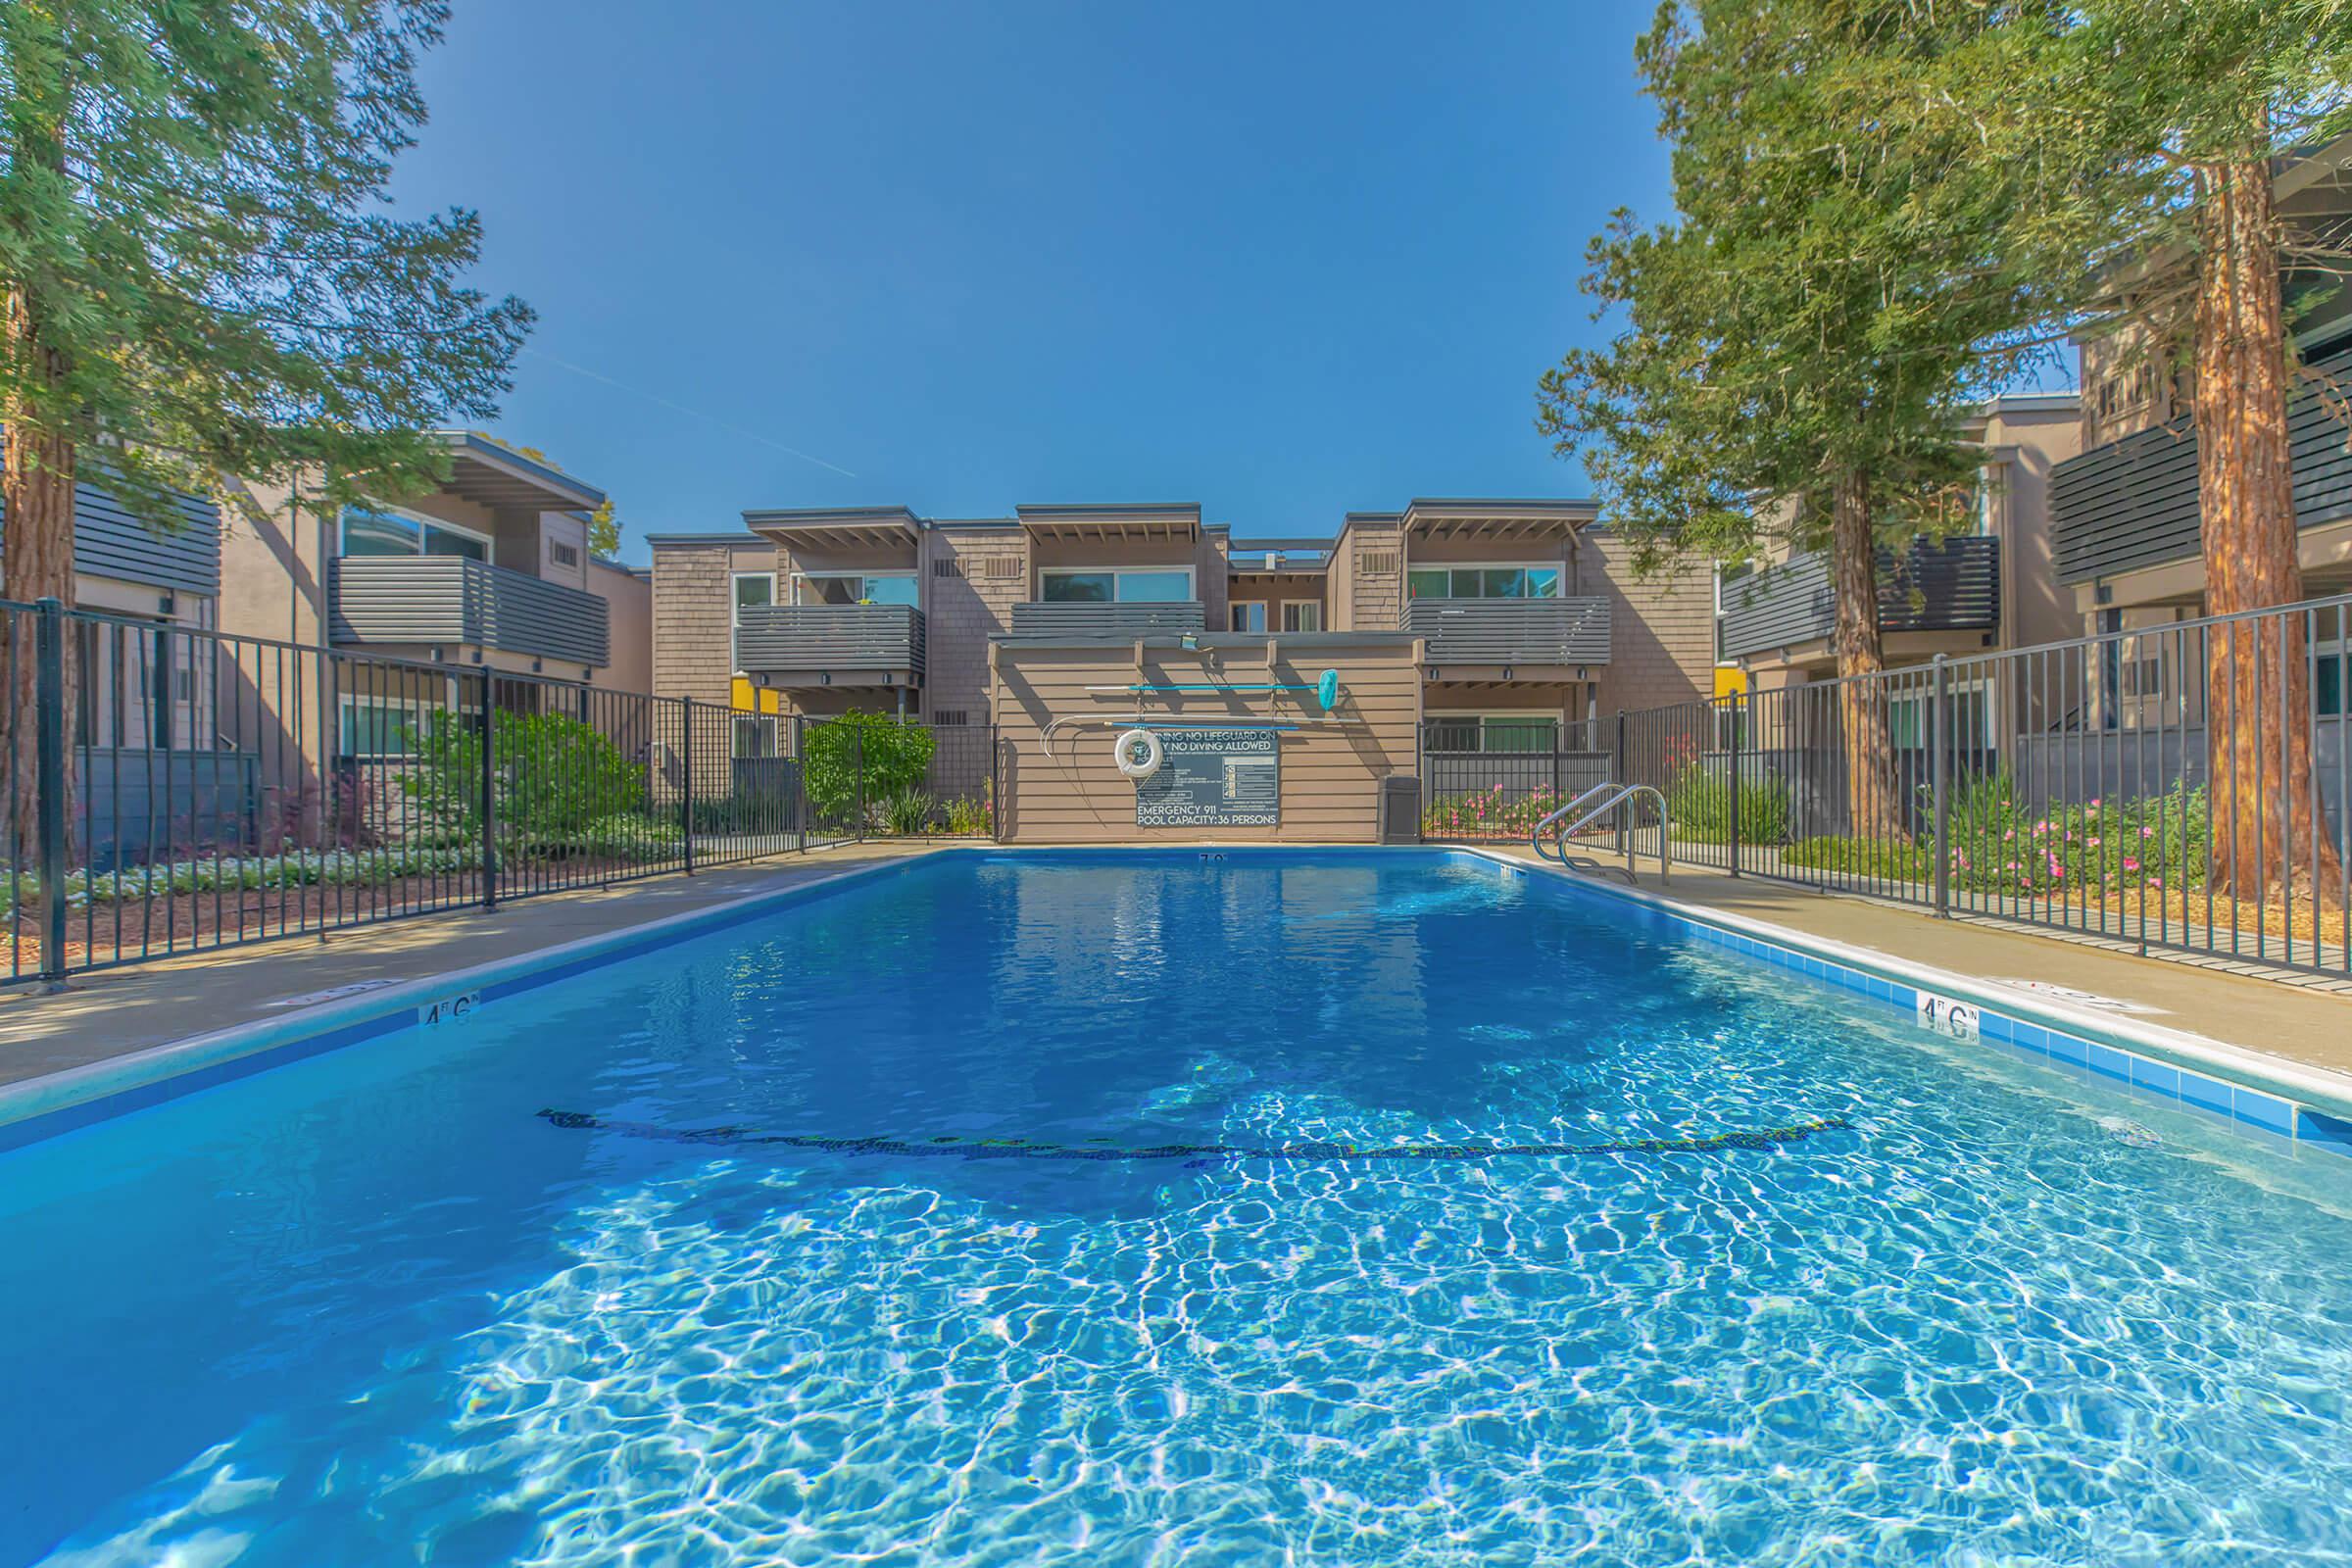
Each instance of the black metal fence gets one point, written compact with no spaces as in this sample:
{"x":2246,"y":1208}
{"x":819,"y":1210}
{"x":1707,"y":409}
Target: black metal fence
{"x":1497,"y":782}
{"x":172,"y":790}
{"x":2182,"y":785}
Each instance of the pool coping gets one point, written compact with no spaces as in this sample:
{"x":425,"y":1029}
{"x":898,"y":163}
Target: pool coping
{"x":2248,"y":1088}
{"x":2245,"y":1087}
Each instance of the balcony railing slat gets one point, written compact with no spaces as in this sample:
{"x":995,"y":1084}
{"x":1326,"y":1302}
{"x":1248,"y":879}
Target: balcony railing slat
{"x":451,"y":599}
{"x":830,"y":637}
{"x":1573,"y":630}
{"x":1043,"y":619}
{"x":2131,"y":503}
{"x":1957,"y":582}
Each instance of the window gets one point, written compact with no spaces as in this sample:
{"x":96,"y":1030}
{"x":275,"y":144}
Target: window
{"x":2329,"y":683}
{"x":1483,"y":582}
{"x":381,"y":531}
{"x":1249,"y":614}
{"x":1171,"y":585}
{"x":385,"y":726}
{"x":1971,"y":718}
{"x":753,"y":590}
{"x":1492,"y":732}
{"x":1303,"y":615}
{"x":561,"y":554}
{"x":755,"y":735}
{"x":856,"y":588}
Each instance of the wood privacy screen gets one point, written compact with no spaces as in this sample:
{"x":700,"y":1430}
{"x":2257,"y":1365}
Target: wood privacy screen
{"x":1331,"y":774}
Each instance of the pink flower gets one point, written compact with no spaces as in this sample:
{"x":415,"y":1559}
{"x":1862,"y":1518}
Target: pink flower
{"x":2129,"y":864}
{"x":2147,"y":832}
{"x":2095,"y":843}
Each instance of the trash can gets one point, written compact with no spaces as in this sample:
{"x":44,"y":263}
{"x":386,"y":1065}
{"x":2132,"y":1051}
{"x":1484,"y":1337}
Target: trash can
{"x":1401,"y":809}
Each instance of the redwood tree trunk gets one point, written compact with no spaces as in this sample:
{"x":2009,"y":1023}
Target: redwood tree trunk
{"x":2258,"y":686}
{"x":1871,"y":809}
{"x":38,"y":561}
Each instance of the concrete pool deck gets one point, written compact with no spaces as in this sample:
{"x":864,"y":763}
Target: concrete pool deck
{"x":113,"y":1013}
{"x":2300,"y":1019}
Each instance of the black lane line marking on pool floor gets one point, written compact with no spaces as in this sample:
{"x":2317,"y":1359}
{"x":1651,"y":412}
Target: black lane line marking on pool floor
{"x":1197,"y":1153}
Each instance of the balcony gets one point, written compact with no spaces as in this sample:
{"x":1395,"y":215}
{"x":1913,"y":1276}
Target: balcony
{"x":831,"y":645}
{"x":1947,"y":585}
{"x":1513,"y":631}
{"x":1043,"y":619}
{"x":2132,"y":503}
{"x":440,"y":600}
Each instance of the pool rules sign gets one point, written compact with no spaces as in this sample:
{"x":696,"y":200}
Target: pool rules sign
{"x":1213,"y":778}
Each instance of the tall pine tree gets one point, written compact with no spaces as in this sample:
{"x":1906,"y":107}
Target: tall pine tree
{"x":201,"y":277}
{"x":1798,"y":348}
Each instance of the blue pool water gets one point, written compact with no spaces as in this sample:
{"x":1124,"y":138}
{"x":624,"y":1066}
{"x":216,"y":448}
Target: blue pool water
{"x":1943,"y":1306}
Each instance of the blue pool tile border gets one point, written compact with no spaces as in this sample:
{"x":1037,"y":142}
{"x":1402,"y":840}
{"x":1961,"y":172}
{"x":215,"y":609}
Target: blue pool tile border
{"x":2219,"y":1098}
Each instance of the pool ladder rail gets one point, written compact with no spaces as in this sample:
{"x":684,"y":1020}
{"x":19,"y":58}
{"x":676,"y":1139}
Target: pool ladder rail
{"x":1583,"y":812}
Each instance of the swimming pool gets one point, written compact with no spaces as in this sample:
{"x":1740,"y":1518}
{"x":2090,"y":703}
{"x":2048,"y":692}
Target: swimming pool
{"x":1115,"y":1207}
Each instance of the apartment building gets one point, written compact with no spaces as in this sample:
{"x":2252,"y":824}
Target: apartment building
{"x":150,"y":583}
{"x":1991,"y":586}
{"x":490,"y":570}
{"x":2128,"y":538}
{"x":1528,"y":616}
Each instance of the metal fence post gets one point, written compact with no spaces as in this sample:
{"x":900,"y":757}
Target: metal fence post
{"x":1738,"y":745}
{"x":686,"y":779}
{"x":1939,"y":765}
{"x":857,"y":738}
{"x":800,"y":779}
{"x":1625,"y":842}
{"x":49,"y":782}
{"x":486,"y":730}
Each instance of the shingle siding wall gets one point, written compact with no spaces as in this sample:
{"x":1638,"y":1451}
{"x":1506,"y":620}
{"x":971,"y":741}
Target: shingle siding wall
{"x":694,"y":594}
{"x":968,"y":605}
{"x":1662,"y":631}
{"x":1375,"y":568}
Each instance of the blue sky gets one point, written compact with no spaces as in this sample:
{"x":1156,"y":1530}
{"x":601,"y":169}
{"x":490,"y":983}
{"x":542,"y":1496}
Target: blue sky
{"x":1284,"y":261}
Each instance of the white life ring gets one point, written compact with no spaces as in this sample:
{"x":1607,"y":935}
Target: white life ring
{"x":1139,"y":754}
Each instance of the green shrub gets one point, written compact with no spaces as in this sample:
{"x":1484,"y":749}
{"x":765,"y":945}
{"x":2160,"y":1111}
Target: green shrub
{"x":891,"y":756}
{"x":1699,"y":800}
{"x":2003,"y":849}
{"x":554,"y":778}
{"x":2100,"y":846}
{"x":906,"y":813}
{"x":1896,"y":859}
{"x":969,"y":817}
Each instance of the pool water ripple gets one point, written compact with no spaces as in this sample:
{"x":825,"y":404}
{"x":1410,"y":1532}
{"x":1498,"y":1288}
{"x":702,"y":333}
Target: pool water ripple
{"x":417,"y":1322}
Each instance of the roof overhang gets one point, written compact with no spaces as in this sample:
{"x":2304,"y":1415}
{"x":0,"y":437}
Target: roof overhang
{"x":1107,"y":523}
{"x":838,"y":528}
{"x":1498,"y":521}
{"x":490,"y":475}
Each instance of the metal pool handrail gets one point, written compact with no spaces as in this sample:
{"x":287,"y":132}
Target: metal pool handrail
{"x":1576,"y":815}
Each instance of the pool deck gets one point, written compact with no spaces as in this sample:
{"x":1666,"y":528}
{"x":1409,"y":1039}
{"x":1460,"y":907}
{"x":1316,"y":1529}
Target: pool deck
{"x":2303,"y":1021}
{"x":111,"y":1013}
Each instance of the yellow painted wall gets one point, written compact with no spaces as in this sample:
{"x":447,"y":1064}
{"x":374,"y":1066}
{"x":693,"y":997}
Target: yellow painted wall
{"x":749,"y":699}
